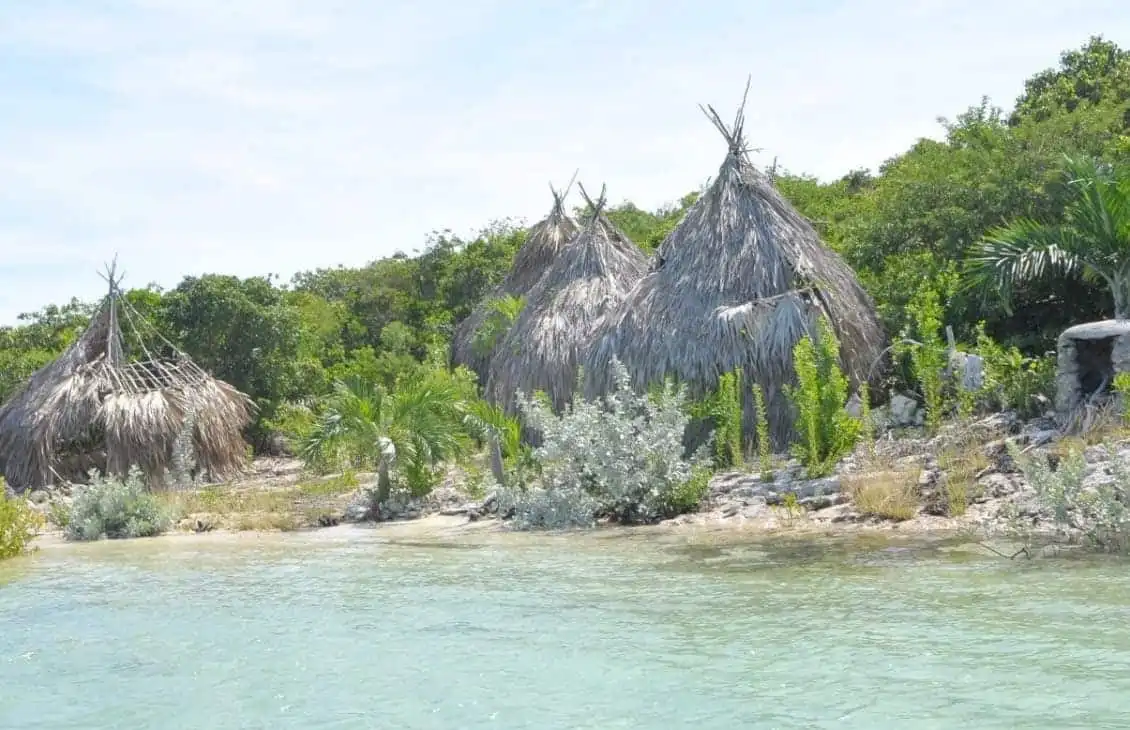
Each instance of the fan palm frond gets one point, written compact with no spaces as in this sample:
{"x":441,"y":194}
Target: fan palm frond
{"x":1093,"y":240}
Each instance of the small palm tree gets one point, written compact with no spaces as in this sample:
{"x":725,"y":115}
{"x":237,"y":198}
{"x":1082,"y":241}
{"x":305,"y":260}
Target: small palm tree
{"x":1093,"y":240}
{"x":418,"y":425}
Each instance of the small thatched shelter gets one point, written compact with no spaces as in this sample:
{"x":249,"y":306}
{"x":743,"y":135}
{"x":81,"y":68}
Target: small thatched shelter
{"x":541,"y":351}
{"x":544,"y":241}
{"x":737,"y":283}
{"x":99,"y":406}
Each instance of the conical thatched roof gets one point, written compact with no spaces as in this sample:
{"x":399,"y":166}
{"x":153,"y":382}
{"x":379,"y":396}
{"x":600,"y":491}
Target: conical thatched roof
{"x":737,"y":283}
{"x":543,"y":242}
{"x":96,"y":408}
{"x":591,"y":275}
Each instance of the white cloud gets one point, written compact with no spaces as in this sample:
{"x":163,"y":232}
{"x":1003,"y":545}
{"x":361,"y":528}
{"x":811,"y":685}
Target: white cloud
{"x":254,"y":136}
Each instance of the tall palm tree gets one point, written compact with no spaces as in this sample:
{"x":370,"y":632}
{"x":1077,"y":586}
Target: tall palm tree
{"x":1092,"y":241}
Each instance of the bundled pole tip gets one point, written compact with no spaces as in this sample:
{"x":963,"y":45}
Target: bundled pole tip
{"x":597,"y":207}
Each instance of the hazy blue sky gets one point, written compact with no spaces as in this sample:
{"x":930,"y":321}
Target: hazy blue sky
{"x":257,"y":136}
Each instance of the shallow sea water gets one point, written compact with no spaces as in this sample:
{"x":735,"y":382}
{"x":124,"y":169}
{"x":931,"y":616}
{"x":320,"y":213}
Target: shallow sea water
{"x":346,"y":629}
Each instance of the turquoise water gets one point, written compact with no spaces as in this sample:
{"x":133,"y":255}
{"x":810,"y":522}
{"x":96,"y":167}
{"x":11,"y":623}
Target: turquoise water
{"x":344,"y":630}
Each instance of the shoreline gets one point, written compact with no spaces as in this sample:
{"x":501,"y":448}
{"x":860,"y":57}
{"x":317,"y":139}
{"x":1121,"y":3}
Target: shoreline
{"x":440,"y":528}
{"x":903,"y":489}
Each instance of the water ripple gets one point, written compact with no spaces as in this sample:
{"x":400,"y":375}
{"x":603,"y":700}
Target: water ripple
{"x":559,"y":633}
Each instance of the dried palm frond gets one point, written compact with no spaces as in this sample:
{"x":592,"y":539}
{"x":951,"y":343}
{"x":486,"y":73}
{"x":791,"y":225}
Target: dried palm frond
{"x":542,"y":350}
{"x":94,"y":407}
{"x":544,"y":241}
{"x":735,"y":285}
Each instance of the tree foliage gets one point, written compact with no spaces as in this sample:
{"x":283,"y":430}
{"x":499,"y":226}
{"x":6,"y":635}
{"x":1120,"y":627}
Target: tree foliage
{"x":913,"y":219}
{"x":1092,"y":239}
{"x":406,"y":432}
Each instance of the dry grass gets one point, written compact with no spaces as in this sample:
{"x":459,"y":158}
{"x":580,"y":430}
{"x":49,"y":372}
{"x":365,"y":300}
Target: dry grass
{"x":736,"y":284}
{"x":95,"y":408}
{"x":545,"y":240}
{"x":543,"y":350}
{"x":891,"y":494}
{"x":960,"y":469}
{"x":249,"y":508}
{"x":1108,"y":427}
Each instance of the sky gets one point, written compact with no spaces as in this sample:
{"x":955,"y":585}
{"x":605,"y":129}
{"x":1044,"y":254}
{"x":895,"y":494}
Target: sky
{"x":273,"y":136}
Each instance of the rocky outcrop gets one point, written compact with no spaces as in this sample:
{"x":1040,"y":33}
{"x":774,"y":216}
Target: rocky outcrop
{"x":1087,"y":358}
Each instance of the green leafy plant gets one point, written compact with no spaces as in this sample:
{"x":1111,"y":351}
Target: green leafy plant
{"x":114,"y":507}
{"x":723,"y":409}
{"x":764,"y":440}
{"x":1093,"y":240}
{"x":1121,"y":387}
{"x":19,"y":524}
{"x":687,"y":496}
{"x":492,"y":427}
{"x":621,"y":459}
{"x":1095,"y":511}
{"x":59,"y":514}
{"x":293,"y":422}
{"x":791,"y":507}
{"x":409,"y":431}
{"x":927,"y":349}
{"x":866,"y":420}
{"x":827,"y":430}
{"x":1013,"y":380}
{"x":501,"y":314}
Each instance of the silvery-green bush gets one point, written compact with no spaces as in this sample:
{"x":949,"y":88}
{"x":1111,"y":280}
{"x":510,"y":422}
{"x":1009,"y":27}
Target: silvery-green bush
{"x":1090,"y":504}
{"x":116,"y":508}
{"x":621,"y":457}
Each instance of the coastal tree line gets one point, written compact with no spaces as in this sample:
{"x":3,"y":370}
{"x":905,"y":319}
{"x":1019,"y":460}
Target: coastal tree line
{"x":1011,"y":227}
{"x":912,"y":224}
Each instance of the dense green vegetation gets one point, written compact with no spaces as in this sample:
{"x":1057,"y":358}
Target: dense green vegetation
{"x":19,"y":524}
{"x":918,"y":230}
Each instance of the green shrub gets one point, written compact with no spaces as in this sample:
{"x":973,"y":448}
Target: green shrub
{"x":723,"y":409}
{"x":406,"y":433}
{"x":827,"y":431}
{"x":1013,"y":380}
{"x":292,"y":421}
{"x":764,"y":440}
{"x":1121,"y":387}
{"x":502,"y":312}
{"x":115,"y":508}
{"x":928,"y":353}
{"x":19,"y":524}
{"x":59,"y":514}
{"x":1093,"y":509}
{"x":687,"y":496}
{"x":622,"y":459}
{"x":866,"y":420}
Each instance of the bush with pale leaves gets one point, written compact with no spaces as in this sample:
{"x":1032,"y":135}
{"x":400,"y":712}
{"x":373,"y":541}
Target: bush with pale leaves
{"x":622,"y":458}
{"x":113,"y":507}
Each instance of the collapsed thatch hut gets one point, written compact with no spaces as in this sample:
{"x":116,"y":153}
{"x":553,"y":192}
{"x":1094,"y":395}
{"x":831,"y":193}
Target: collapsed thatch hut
{"x":101,"y":407}
{"x":737,"y":283}
{"x":543,"y":242}
{"x":541,"y":351}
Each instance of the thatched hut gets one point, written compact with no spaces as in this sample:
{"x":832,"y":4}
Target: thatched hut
{"x":99,"y":406}
{"x":544,"y":241}
{"x":590,"y":276}
{"x":737,"y":283}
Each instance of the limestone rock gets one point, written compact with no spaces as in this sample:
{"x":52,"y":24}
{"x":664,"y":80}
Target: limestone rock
{"x":359,"y":510}
{"x":903,"y":410}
